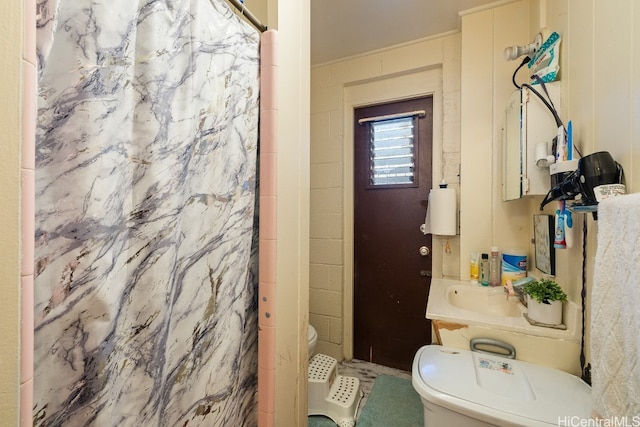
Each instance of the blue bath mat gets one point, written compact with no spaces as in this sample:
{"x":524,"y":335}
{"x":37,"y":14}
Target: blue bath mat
{"x":320,"y":421}
{"x":392,"y":402}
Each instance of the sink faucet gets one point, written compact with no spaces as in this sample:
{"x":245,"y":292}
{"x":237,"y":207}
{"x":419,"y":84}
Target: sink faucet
{"x":511,"y":290}
{"x":508,"y":289}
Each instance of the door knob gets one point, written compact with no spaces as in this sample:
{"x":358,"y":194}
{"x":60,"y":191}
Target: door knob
{"x":424,"y":251}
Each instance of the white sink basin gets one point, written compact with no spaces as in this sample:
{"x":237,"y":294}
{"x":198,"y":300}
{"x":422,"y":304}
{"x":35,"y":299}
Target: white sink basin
{"x":465,"y":303}
{"x":492,"y":301}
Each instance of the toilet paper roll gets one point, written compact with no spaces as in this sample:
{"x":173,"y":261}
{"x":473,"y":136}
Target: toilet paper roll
{"x":441,"y":212}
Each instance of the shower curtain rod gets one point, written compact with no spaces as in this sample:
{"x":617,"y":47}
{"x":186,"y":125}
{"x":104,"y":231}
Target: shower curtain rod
{"x":238,"y":4}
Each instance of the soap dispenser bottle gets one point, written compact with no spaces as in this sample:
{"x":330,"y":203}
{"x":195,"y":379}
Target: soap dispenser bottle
{"x":494,"y":267}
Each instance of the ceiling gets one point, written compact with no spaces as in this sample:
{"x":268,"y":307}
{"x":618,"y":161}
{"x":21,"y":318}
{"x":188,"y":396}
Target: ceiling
{"x":342,"y":28}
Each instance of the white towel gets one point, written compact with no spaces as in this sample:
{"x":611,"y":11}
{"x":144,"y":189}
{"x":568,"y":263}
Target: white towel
{"x":615,"y":309}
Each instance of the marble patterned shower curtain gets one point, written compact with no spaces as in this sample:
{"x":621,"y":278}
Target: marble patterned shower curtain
{"x":145,"y":287}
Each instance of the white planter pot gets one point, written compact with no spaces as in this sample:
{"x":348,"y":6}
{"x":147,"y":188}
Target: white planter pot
{"x":550,"y":314}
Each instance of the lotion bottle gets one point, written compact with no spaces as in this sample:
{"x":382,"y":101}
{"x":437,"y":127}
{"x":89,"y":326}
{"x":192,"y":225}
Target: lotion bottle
{"x":474,"y":268}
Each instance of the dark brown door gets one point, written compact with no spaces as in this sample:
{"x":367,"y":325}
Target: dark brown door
{"x":392,"y":181}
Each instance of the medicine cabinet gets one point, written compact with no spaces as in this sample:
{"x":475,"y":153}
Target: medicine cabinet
{"x":527,"y":122}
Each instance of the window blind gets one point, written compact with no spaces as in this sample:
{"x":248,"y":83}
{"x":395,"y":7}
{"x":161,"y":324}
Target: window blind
{"x":392,"y":152}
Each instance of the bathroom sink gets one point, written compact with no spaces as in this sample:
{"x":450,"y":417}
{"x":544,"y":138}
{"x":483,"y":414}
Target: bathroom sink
{"x":458,"y":302}
{"x":492,"y":301}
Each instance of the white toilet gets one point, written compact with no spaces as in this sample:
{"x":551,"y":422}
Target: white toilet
{"x":313,"y":339}
{"x":471,"y":389}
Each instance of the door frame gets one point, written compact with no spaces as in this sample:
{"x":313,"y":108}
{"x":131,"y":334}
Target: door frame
{"x":420,"y":82}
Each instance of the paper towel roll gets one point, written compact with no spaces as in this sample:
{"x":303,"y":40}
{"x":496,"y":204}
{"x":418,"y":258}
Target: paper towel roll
{"x":441,"y":212}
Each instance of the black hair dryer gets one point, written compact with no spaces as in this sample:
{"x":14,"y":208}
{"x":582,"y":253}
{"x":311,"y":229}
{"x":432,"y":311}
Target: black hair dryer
{"x":593,"y":170}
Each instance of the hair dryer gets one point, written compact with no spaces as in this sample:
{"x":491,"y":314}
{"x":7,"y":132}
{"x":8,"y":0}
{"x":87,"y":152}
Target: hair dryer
{"x":593,"y":170}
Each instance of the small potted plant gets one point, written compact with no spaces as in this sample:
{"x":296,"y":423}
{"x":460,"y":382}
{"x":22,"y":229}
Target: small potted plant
{"x":544,"y":301}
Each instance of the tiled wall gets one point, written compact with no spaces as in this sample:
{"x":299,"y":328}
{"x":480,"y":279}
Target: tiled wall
{"x":28,"y":215}
{"x":268,"y":217}
{"x":334,"y":87}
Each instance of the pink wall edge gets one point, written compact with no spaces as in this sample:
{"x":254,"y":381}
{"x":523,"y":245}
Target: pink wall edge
{"x":267,"y":241}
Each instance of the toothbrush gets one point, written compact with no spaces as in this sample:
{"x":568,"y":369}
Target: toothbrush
{"x":561,"y":154}
{"x":569,"y":152}
{"x":559,"y":241}
{"x":568,"y":228}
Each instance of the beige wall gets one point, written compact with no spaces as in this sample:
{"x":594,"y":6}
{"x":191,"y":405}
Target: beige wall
{"x":10,"y":111}
{"x":259,"y":9}
{"x":600,"y":65}
{"x":429,"y":66}
{"x":486,"y":85}
{"x":291,"y":19}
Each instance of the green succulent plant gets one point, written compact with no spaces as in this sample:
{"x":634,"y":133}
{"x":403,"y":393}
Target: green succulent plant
{"x":544,"y":291}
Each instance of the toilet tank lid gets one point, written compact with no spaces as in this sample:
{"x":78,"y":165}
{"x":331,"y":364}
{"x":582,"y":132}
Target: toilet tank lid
{"x":513,"y":387}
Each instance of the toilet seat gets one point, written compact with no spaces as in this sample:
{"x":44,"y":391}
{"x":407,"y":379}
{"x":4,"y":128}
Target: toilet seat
{"x":312,"y":340}
{"x":313,"y":335}
{"x":498,"y":390}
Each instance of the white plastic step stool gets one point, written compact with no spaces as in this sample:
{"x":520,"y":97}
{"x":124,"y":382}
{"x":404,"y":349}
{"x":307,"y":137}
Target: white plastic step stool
{"x":332,"y":395}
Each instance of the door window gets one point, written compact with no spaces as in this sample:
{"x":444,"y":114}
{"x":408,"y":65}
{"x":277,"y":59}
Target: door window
{"x":392,"y":152}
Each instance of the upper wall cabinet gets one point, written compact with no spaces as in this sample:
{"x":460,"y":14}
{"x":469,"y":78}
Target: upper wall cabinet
{"x":527,"y":122}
